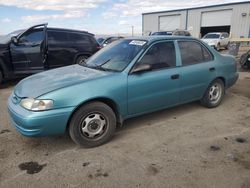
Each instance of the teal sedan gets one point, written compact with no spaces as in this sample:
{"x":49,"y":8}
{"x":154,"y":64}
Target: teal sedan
{"x":130,"y":77}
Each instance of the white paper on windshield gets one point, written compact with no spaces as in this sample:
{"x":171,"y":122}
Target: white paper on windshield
{"x":137,"y":42}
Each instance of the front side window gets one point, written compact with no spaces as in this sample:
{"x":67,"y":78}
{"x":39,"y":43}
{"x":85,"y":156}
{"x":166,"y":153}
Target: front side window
{"x":225,"y":35}
{"x":193,"y":53}
{"x":33,"y":36}
{"x":160,"y":55}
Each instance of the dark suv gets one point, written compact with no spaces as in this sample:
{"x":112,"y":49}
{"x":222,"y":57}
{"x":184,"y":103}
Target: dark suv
{"x":40,"y":48}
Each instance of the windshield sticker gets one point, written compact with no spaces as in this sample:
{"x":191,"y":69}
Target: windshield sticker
{"x":137,"y":42}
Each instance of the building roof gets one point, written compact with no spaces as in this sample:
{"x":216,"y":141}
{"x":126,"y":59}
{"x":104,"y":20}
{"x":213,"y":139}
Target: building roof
{"x":209,"y":6}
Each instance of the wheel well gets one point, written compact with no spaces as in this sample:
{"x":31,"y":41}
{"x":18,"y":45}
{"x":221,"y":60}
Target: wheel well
{"x":78,"y":55}
{"x":106,"y":101}
{"x":222,"y":79}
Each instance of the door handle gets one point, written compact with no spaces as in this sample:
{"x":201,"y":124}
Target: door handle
{"x":175,"y":76}
{"x":211,"y":69}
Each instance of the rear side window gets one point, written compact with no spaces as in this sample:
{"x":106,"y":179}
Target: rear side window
{"x":193,"y":53}
{"x":57,"y":36}
{"x":79,"y":38}
{"x":160,"y":55}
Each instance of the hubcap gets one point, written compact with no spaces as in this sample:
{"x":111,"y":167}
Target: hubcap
{"x":93,"y":125}
{"x":82,"y":61}
{"x":215,"y":93}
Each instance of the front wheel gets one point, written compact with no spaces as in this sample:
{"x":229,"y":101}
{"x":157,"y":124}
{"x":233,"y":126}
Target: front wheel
{"x":214,"y":94}
{"x":92,"y":125}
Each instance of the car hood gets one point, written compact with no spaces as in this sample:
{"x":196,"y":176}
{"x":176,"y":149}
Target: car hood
{"x":45,"y":82}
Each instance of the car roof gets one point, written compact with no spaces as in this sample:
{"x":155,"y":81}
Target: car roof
{"x":69,"y":30}
{"x":216,"y":33}
{"x":173,"y":30}
{"x":153,"y":38}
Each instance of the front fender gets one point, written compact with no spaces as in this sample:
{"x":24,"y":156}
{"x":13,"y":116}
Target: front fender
{"x":113,"y":88}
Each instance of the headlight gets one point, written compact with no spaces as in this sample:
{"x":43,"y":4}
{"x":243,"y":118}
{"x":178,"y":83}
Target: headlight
{"x":36,"y":105}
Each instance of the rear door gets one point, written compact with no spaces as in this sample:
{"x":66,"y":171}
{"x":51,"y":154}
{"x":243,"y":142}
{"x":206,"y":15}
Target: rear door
{"x":60,"y":50}
{"x":197,"y":71}
{"x":159,"y":87}
{"x":28,"y":53}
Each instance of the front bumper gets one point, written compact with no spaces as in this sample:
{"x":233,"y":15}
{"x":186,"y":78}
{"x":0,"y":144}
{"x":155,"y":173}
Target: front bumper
{"x":43,"y":123}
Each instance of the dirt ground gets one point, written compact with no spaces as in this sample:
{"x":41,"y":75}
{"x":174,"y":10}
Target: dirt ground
{"x":187,"y":146}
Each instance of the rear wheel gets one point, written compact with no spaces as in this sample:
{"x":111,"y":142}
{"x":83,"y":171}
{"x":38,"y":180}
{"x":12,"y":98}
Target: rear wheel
{"x":81,"y":59}
{"x":214,"y":94}
{"x":92,"y":125}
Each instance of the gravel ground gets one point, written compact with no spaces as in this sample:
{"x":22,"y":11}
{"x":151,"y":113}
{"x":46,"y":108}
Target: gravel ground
{"x":186,"y":146}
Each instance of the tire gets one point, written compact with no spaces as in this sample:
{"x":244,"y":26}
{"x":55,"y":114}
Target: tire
{"x":81,"y":59}
{"x":226,"y":47}
{"x":218,"y":47}
{"x":92,"y":125}
{"x":213,"y":98}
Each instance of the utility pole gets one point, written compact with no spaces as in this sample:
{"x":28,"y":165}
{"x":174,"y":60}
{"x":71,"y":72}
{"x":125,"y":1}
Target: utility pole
{"x":132,"y":27}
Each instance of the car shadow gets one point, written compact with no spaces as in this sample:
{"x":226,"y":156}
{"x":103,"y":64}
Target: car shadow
{"x":64,"y":142}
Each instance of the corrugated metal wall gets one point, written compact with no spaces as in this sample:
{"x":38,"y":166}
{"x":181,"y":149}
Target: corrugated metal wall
{"x":151,"y":21}
{"x":240,"y":25}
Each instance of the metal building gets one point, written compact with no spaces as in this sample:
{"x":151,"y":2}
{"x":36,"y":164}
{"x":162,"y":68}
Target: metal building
{"x":233,"y":18}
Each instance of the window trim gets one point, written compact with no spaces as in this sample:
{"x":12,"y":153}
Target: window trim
{"x":146,"y":50}
{"x":196,"y":41}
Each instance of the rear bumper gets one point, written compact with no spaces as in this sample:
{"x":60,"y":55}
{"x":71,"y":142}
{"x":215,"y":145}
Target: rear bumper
{"x":44,"y":123}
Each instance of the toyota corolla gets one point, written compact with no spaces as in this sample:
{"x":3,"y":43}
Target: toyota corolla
{"x":128,"y":78}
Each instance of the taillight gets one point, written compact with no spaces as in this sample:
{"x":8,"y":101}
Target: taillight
{"x":98,"y":47}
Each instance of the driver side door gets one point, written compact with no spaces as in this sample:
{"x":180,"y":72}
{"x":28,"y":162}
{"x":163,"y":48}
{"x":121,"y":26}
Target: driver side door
{"x":158,"y":87}
{"x":27,"y":52}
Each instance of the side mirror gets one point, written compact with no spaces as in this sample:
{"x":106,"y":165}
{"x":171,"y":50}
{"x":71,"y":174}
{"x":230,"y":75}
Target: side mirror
{"x":141,"y":68}
{"x":14,"y":40}
{"x":222,"y":37}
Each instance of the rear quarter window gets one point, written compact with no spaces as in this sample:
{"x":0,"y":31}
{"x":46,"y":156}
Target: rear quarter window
{"x":79,"y":38}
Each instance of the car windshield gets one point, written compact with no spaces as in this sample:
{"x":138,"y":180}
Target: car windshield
{"x":211,"y":36}
{"x":116,"y":56}
{"x":6,"y":38}
{"x":163,"y":33}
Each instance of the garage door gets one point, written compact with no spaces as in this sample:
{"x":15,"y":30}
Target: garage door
{"x":216,"y":18}
{"x":168,"y":23}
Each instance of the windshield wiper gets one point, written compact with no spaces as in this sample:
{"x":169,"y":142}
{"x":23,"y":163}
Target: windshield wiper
{"x":100,"y":67}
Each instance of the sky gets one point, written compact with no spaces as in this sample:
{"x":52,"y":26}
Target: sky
{"x":95,"y":16}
